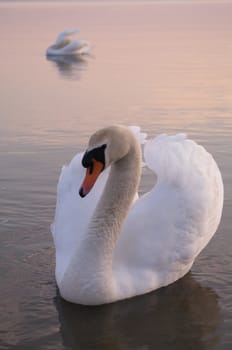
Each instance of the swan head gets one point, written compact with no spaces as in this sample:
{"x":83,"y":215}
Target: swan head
{"x":106,"y":146}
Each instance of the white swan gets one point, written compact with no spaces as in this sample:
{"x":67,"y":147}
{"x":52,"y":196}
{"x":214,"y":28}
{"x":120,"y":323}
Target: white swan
{"x":109,"y":248}
{"x":64,"y":46}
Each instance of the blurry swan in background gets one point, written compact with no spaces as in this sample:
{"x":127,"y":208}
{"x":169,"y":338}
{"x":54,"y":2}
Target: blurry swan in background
{"x":65,"y":46}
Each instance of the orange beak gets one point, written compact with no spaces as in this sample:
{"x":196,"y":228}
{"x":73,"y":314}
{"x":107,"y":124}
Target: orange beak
{"x":91,"y":176}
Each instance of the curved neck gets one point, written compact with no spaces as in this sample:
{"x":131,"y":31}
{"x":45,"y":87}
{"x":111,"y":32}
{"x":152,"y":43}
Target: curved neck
{"x":61,"y":44}
{"x":93,"y":261}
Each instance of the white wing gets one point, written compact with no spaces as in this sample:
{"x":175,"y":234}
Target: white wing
{"x":64,"y":46}
{"x":169,"y":226}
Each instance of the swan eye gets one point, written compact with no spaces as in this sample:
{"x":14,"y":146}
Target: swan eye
{"x":97,"y":153}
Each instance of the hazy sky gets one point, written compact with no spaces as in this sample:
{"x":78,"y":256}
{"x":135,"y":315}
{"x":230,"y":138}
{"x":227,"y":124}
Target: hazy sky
{"x":208,"y":1}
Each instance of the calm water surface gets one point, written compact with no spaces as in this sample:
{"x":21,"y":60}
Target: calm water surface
{"x":165,"y":67}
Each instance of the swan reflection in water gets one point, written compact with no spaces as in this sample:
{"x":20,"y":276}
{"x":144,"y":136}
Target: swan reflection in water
{"x":184,"y":315}
{"x":70,"y":66}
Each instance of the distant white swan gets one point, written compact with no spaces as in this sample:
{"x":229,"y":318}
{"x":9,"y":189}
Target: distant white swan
{"x":111,"y":245}
{"x":64,"y":45}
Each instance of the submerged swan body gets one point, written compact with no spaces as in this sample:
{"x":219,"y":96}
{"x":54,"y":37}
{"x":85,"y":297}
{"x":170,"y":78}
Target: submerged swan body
{"x":64,"y":46}
{"x":111,"y":245}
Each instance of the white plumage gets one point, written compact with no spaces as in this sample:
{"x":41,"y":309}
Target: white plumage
{"x":99,"y":259}
{"x":64,"y":46}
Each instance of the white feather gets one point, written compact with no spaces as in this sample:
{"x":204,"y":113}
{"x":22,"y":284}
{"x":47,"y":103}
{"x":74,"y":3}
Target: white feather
{"x":64,"y":46}
{"x":165,"y":229}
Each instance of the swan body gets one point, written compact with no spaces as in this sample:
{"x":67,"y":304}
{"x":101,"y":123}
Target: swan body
{"x":64,"y":46}
{"x":110,"y":244}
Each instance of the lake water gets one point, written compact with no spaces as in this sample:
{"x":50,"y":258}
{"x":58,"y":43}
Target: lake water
{"x":166,"y":67}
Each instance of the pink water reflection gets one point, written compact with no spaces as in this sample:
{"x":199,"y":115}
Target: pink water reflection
{"x":149,"y":60}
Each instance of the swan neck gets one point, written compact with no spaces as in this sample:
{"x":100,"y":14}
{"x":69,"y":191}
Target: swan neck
{"x":117,"y":197}
{"x":96,"y":277}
